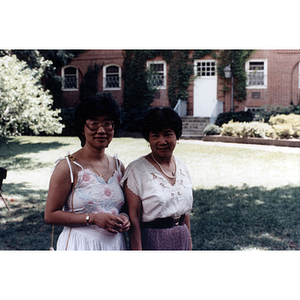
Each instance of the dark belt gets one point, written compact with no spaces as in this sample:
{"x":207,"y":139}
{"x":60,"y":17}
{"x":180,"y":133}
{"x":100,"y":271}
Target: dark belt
{"x":164,"y":223}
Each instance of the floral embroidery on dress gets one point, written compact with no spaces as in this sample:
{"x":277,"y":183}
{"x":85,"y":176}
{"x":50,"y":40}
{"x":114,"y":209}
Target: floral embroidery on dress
{"x":83,"y":194}
{"x":109,"y":204}
{"x":106,"y":193}
{"x":85,"y":177}
{"x":162,"y":185}
{"x":103,"y":196}
{"x":154,"y":176}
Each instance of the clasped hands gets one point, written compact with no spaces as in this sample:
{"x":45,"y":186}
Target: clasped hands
{"x":111,"y":223}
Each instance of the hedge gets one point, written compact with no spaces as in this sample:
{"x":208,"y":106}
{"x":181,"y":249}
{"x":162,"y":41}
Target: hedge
{"x":280,"y":127}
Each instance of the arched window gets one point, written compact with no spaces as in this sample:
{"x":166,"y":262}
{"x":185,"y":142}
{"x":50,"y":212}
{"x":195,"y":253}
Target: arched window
{"x":70,"y":78}
{"x":111,"y":77}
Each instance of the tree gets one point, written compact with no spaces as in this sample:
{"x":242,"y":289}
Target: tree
{"x":89,"y":84}
{"x":51,"y":80}
{"x":24,"y":104}
{"x":138,"y":94}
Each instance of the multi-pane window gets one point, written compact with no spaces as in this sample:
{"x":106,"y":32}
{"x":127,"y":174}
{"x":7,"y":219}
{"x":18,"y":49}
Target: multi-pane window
{"x":70,"y":78}
{"x":112,"y":77}
{"x":256,"y":73}
{"x":206,"y":68}
{"x":157,"y":71}
{"x":254,"y":110}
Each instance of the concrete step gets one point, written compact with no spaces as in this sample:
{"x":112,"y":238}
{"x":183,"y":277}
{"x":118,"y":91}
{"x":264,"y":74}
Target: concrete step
{"x":193,"y":127}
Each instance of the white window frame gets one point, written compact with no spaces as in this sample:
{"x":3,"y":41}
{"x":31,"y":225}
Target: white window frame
{"x":63,"y":78}
{"x":153,"y":62}
{"x":247,"y":67}
{"x":104,"y":78}
{"x":209,"y":70}
{"x":255,"y":110}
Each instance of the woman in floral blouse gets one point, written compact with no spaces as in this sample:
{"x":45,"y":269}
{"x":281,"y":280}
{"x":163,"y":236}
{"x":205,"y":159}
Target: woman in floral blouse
{"x":85,"y":195}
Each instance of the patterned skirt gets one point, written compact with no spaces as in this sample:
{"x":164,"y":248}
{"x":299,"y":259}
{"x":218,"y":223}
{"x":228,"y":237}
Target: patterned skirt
{"x":175,"y":238}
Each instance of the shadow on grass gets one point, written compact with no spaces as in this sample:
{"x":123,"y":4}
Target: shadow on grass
{"x":24,"y":227}
{"x":224,"y":218}
{"x":11,"y":148}
{"x":230,"y":218}
{"x":23,"y":163}
{"x":14,"y":146}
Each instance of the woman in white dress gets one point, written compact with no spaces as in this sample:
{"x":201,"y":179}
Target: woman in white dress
{"x":158,"y":188}
{"x":85,"y":195}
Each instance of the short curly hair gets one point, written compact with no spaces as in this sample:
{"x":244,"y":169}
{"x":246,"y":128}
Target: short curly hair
{"x":158,"y":119}
{"x":93,"y":107}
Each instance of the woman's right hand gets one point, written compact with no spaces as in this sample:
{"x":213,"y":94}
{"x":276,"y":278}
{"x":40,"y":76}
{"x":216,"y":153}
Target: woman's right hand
{"x":107,"y":221}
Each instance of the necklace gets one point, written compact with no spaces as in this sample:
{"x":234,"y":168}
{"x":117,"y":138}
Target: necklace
{"x":93,"y":166}
{"x":173,"y":173}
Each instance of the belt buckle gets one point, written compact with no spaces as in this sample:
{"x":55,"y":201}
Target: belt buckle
{"x":176,"y":221}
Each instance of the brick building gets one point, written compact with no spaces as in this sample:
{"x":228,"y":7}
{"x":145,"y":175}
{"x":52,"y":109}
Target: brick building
{"x":110,"y":77}
{"x":276,"y":81}
{"x":273,"y":78}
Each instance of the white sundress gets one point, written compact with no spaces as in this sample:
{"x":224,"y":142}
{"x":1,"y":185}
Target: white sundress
{"x":93,"y":195}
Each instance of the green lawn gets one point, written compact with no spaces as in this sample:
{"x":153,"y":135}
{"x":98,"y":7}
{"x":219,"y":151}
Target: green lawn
{"x":243,"y":198}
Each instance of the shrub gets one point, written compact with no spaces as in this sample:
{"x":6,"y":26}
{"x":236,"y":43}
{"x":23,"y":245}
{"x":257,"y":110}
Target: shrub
{"x":284,"y":131}
{"x":258,"y":129}
{"x":240,"y":116}
{"x":285,"y":119}
{"x":279,"y":126}
{"x":286,"y":126}
{"x":253,"y":129}
{"x":267,"y":111}
{"x":212,"y":129}
{"x":231,"y":129}
{"x":296,"y":130}
{"x":25,"y":106}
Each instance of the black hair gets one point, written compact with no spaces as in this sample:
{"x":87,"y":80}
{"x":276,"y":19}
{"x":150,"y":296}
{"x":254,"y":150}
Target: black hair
{"x":93,"y":107}
{"x":158,"y":119}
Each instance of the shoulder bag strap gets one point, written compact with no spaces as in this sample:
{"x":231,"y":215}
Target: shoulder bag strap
{"x":71,"y":158}
{"x":73,"y":168}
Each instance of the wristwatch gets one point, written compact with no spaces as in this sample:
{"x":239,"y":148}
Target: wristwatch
{"x":87,"y":219}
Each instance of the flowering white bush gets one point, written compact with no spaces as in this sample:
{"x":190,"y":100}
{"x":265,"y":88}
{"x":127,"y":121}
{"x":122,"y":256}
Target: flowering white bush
{"x":23,"y":101}
{"x":245,"y":129}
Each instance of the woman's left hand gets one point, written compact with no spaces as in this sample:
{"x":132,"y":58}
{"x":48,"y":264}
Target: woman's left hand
{"x":126,"y":222}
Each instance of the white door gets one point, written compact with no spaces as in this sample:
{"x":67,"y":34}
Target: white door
{"x":205,"y":87}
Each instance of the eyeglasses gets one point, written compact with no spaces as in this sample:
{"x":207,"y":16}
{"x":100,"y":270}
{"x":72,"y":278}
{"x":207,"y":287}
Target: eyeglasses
{"x":94,"y":125}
